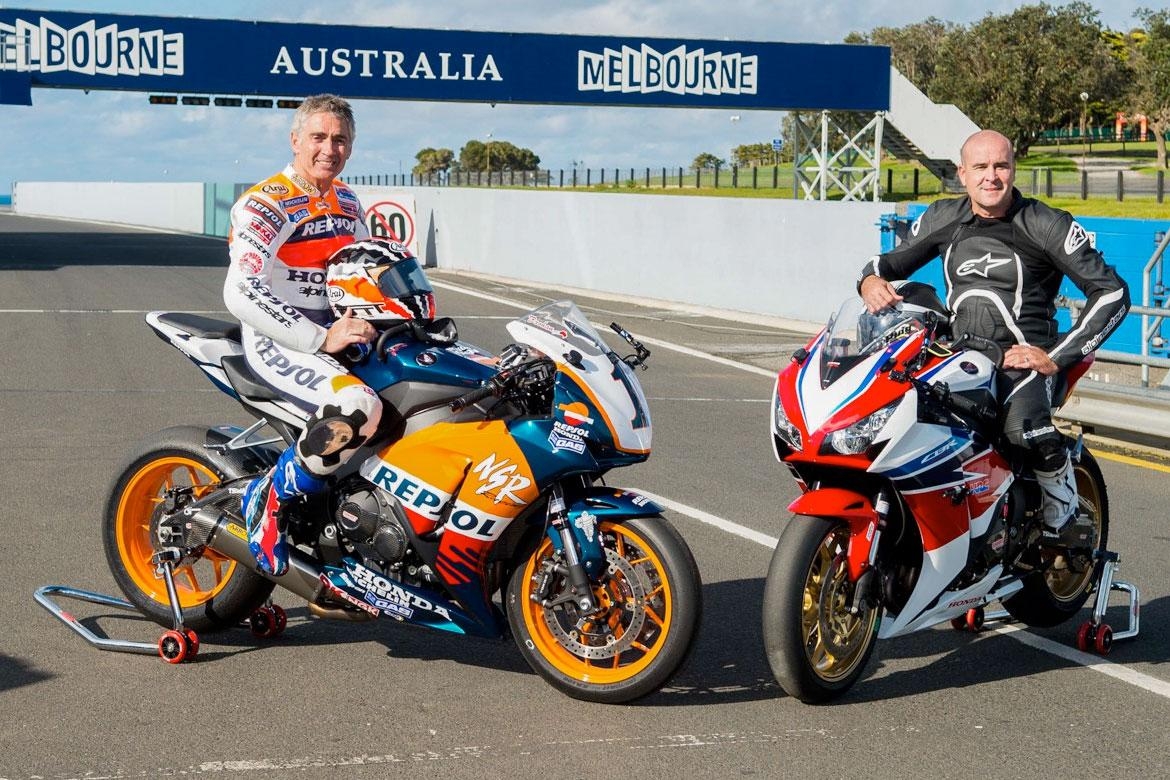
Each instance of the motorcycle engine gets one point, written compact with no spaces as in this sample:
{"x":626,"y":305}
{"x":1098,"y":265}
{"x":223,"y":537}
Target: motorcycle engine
{"x":1006,"y":536}
{"x":366,"y":520}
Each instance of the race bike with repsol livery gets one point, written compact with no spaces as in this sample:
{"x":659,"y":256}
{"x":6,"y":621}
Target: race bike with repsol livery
{"x":911,"y":511}
{"x":488,"y":481}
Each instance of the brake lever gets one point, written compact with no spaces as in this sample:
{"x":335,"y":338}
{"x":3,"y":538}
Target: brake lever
{"x":642,"y":354}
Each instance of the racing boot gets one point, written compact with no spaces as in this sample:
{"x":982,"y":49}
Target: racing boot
{"x":264,"y":499}
{"x":1059,"y":497}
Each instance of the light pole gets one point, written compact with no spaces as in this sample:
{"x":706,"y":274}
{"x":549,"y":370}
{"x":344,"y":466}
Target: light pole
{"x":488,"y":150}
{"x":1084,"y":119}
{"x":734,"y":119}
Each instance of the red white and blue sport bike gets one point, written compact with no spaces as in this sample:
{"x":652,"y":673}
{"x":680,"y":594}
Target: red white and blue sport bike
{"x":911,"y":513}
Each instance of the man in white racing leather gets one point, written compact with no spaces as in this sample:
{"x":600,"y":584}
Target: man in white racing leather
{"x":282,"y":232}
{"x":1004,"y":257}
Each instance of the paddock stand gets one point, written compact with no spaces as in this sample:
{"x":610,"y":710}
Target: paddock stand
{"x":176,"y":645}
{"x":1094,"y":635}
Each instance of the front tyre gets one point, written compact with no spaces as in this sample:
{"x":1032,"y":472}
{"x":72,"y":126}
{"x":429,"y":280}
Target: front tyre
{"x":1064,"y":578}
{"x":649,"y":601}
{"x":214,"y":591}
{"x":816,"y":647}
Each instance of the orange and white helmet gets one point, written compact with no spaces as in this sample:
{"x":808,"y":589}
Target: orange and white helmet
{"x":379,"y":281}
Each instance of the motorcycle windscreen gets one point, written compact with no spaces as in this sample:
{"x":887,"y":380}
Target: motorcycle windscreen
{"x":562,"y":332}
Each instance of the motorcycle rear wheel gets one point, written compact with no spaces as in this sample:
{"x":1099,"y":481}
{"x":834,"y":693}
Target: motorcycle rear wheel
{"x":214,"y":591}
{"x":650,"y":600}
{"x":1058,"y":590}
{"x":816,"y":648}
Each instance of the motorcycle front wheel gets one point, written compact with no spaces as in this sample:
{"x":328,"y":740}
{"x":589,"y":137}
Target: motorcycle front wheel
{"x":649,"y":603}
{"x":214,"y":591}
{"x":816,"y":647}
{"x":1065,"y":578}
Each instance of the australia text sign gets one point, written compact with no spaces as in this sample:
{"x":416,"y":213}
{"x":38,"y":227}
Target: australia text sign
{"x":152,"y":53}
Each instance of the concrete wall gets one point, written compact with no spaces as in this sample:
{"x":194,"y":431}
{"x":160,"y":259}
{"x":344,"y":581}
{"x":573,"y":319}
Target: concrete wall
{"x":164,"y":206}
{"x":793,"y":259}
{"x":780,"y":258}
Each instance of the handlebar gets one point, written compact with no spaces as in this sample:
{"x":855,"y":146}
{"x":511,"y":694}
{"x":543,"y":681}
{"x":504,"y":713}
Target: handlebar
{"x":964,"y":407}
{"x":386,"y":335}
{"x":521,"y":378}
{"x":474,"y":397}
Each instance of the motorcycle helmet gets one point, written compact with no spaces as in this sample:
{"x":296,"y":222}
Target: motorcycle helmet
{"x":879,"y":328}
{"x":919,"y":298}
{"x":379,"y":281}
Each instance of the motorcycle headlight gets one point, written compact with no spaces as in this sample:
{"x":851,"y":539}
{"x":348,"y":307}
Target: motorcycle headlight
{"x":783,"y":427}
{"x":858,"y":436}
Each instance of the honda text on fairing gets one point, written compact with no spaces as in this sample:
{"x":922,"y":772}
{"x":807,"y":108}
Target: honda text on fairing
{"x":910,"y":506}
{"x":488,"y":480}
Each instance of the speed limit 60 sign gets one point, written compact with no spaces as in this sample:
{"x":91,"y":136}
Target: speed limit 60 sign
{"x":393,"y":218}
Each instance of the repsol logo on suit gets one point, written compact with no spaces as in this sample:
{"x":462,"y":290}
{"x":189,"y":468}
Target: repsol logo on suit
{"x":328,"y":226}
{"x":273,"y":357}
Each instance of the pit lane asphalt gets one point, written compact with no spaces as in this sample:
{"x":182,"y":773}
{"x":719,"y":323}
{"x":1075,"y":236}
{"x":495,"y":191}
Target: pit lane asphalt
{"x":82,"y":380}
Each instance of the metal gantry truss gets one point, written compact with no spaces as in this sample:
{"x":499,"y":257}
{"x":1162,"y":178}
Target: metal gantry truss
{"x":837,"y":153}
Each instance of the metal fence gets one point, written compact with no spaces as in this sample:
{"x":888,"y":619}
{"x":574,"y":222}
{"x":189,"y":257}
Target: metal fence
{"x":1048,"y":182}
{"x":755,"y":177}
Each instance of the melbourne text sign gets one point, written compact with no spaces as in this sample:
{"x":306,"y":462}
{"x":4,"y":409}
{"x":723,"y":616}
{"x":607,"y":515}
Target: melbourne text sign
{"x":205,"y":56}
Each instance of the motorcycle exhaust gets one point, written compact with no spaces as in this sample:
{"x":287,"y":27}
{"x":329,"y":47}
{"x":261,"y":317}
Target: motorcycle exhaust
{"x":225,"y":534}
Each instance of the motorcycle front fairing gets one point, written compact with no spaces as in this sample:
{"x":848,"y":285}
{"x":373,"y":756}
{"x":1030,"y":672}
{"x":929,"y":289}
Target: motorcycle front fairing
{"x":842,"y":396}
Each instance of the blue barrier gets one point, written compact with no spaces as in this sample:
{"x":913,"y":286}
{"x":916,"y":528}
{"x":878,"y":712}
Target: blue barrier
{"x":5,"y":200}
{"x":1126,"y":243}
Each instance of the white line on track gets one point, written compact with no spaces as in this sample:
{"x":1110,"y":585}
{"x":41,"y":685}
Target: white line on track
{"x":285,"y":767}
{"x":646,"y":340}
{"x":742,"y":531}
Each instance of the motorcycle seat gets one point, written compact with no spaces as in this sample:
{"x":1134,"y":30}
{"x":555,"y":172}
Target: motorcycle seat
{"x":202,"y":327}
{"x":245,"y":382}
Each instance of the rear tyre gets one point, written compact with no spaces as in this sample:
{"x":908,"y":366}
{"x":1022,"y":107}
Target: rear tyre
{"x":649,"y":606}
{"x":1065,"y":578}
{"x":816,"y":648}
{"x":215,"y":592}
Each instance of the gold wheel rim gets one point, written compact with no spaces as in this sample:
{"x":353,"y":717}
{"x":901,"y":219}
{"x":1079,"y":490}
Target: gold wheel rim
{"x":834,"y":640}
{"x":196,"y":582}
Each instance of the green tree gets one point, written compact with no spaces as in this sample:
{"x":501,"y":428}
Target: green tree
{"x":431,"y":161}
{"x":914,"y":49}
{"x":751,"y":155}
{"x":496,"y":156}
{"x":1150,"y":62}
{"x":1024,"y":71}
{"x":707,"y":160}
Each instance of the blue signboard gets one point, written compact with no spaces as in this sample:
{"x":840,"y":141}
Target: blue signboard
{"x":204,"y":56}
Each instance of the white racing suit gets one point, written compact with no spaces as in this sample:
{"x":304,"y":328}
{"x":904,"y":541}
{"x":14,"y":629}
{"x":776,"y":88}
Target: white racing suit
{"x":282,"y":232}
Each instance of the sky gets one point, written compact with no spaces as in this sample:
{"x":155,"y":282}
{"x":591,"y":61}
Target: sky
{"x":69,"y":135}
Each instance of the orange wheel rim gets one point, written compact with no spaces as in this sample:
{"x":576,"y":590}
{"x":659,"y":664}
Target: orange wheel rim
{"x":196,"y":581}
{"x":629,"y":631}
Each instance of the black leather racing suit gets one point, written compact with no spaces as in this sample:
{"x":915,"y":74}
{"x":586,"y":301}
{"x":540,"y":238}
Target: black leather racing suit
{"x":1002,"y":277}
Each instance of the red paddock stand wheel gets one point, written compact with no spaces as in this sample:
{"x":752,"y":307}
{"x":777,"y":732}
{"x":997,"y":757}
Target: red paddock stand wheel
{"x":972,"y":621}
{"x":267,"y":622}
{"x":1095,"y":638}
{"x":175,"y":647}
{"x":192,"y":643}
